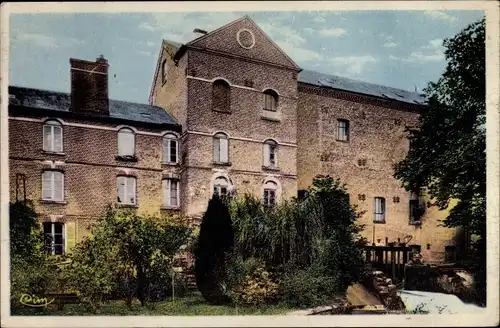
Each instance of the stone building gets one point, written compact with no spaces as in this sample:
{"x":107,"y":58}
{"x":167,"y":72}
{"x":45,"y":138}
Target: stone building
{"x":229,"y":112}
{"x":74,"y":154}
{"x":236,"y":93}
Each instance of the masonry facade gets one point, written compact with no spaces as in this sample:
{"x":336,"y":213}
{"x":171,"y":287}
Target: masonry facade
{"x":229,"y":113}
{"x":72,"y":155}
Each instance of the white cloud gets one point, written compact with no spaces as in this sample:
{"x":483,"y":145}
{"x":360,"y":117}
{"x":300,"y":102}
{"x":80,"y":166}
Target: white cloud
{"x":282,"y":33}
{"x":390,"y":45}
{"x":332,"y":32}
{"x":433,"y":51}
{"x":43,"y":40}
{"x":319,"y":19}
{"x":299,"y":54}
{"x":435,"y":14}
{"x":351,"y":66}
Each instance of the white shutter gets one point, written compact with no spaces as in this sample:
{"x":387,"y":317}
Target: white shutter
{"x":47,"y":185}
{"x":130,"y":190}
{"x":57,"y":135}
{"x":223,"y":150}
{"x":266,"y":155}
{"x":121,"y":143}
{"x":174,"y":188}
{"x":166,"y":192}
{"x":217,"y":150}
{"x":58,"y":186}
{"x":120,"y":190}
{"x":166,"y":150}
{"x":129,"y":144}
{"x":47,"y":137}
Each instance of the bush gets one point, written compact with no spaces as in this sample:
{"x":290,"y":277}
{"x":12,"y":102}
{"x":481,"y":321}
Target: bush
{"x":128,"y":257}
{"x":307,"y":287}
{"x":257,"y":288}
{"x":310,"y":244}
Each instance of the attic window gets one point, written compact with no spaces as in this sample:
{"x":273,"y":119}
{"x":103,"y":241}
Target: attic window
{"x":397,"y":94}
{"x":164,"y":70}
{"x":245,"y":38}
{"x":146,"y":114}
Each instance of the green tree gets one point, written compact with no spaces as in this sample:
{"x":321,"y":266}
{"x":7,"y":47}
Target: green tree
{"x":127,"y":255}
{"x":215,"y":243}
{"x":448,"y":150}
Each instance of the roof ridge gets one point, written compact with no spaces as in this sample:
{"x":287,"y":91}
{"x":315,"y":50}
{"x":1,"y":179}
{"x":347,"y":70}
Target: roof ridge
{"x":69,"y":94}
{"x":359,"y":81}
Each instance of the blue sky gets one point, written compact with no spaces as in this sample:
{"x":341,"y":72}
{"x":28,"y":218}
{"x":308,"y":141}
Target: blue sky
{"x":402,"y":49}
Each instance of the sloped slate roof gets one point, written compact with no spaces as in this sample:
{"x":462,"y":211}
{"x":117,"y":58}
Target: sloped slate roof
{"x":345,"y":84}
{"x":61,"y":101}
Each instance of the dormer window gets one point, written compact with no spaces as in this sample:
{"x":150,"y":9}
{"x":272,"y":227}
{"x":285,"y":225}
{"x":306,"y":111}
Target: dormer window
{"x":270,"y":100}
{"x":170,"y":149}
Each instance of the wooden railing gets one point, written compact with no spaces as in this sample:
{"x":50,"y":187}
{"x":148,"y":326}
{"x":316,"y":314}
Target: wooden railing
{"x":390,"y":259}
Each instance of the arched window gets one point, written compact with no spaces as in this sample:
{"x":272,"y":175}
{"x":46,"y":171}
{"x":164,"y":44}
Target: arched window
{"x":221,"y":148}
{"x":170,"y":148}
{"x":221,"y":187}
{"x":270,"y":100}
{"x":53,"y":136}
{"x":126,"y":142}
{"x":221,"y":96}
{"x":270,"y":154}
{"x":164,"y":71}
{"x":270,"y":193}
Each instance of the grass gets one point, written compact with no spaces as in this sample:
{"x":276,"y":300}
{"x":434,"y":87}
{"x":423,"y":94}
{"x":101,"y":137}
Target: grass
{"x":186,"y":306}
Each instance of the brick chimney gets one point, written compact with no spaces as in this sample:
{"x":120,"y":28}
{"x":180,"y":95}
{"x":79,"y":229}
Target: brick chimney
{"x":89,"y":86}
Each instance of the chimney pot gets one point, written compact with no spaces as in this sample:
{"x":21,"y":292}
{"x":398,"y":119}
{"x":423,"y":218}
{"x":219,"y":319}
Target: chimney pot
{"x":200,"y":31}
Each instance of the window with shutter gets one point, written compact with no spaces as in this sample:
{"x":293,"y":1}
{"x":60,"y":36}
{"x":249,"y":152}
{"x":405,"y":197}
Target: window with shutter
{"x":126,"y":142}
{"x":170,"y":193}
{"x":221,"y":96}
{"x":221,"y":148}
{"x":170,"y":148}
{"x":379,"y":209}
{"x":52,"y":136}
{"x":54,"y":237}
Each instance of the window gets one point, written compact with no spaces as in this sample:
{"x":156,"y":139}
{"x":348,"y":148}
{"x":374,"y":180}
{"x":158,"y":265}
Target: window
{"x":379,"y":209}
{"x":126,"y":142}
{"x":170,"y":151}
{"x":270,"y":100}
{"x":270,"y":193}
{"x":270,"y":154}
{"x":221,"y":148}
{"x":53,"y":136}
{"x":221,"y":187}
{"x":221,"y":96}
{"x":54,"y":237}
{"x":126,"y":190}
{"x":53,"y":186}
{"x":170,"y":193}
{"x":343,"y":130}
{"x":164,"y":70}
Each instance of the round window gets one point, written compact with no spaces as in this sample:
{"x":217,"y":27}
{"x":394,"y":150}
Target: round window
{"x":245,"y":38}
